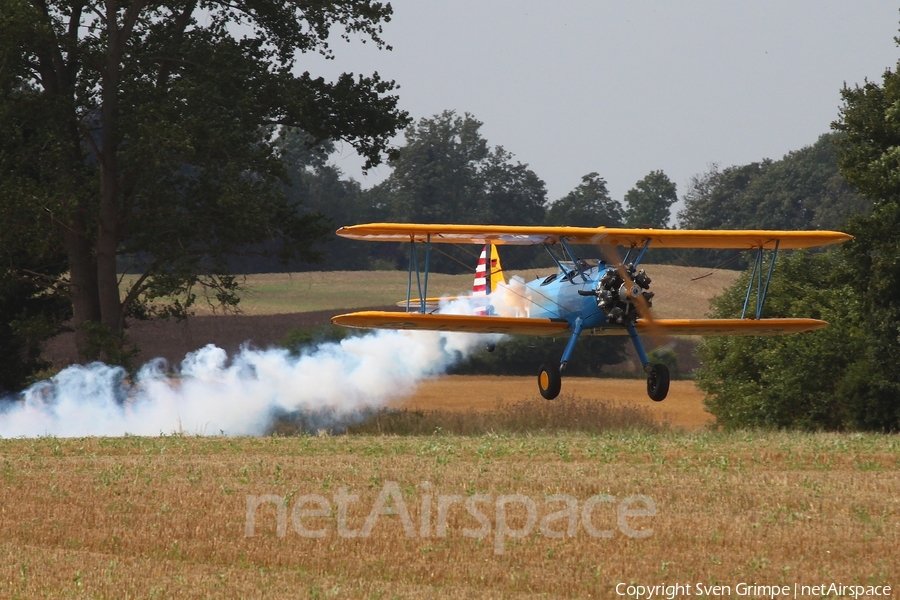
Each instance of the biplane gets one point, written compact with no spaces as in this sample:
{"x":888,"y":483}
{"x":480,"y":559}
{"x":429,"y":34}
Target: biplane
{"x":606,"y":296}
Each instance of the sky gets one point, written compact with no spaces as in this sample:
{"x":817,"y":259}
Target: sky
{"x":624,"y":88}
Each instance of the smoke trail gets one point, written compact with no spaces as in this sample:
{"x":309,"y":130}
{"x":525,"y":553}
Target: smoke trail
{"x":214,"y":395}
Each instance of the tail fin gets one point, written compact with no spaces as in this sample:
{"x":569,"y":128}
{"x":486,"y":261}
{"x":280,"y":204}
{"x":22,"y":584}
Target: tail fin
{"x":488,"y":274}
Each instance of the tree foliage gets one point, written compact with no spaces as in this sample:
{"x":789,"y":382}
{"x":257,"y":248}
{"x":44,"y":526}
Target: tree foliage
{"x":138,"y":132}
{"x":318,"y":187}
{"x":649,"y":202}
{"x":447,"y":173}
{"x":803,"y":190}
{"x":845,"y":376}
{"x":588,"y":205}
{"x":838,"y":378}
{"x":784,"y":381}
{"x":869,"y":159}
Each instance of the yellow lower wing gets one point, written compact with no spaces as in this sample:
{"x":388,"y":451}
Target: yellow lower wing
{"x":549,"y":327}
{"x":723,"y":327}
{"x":469,"y":323}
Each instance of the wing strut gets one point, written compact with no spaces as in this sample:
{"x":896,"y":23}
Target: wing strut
{"x":643,"y":251}
{"x":414,"y":261}
{"x":574,"y":258}
{"x":761,"y":290}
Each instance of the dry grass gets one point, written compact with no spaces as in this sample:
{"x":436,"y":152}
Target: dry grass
{"x":567,"y":413}
{"x":278,"y":293}
{"x":165,"y":517}
{"x":682,"y":409}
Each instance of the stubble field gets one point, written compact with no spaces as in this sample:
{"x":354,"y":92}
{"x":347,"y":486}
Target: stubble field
{"x":682,"y":409}
{"x":168,"y":517}
{"x":681,"y":292}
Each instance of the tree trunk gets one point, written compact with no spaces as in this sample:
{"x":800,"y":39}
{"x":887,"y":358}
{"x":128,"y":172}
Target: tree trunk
{"x":83,"y":279}
{"x":108,"y":231}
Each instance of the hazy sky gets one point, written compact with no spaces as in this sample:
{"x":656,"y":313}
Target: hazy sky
{"x":623,"y":88}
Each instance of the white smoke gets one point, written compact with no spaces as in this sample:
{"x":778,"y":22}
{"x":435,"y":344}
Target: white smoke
{"x":213,"y":395}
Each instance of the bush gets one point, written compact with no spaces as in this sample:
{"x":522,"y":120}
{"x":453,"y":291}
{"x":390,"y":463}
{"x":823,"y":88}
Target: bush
{"x":823,"y":380}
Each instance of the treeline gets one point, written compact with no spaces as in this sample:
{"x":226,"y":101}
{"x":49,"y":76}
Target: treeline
{"x":448,"y":173}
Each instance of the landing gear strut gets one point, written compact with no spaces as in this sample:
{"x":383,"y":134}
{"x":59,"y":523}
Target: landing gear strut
{"x":550,"y":375}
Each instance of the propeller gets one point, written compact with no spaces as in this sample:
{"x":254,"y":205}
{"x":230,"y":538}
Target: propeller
{"x":633,"y":290}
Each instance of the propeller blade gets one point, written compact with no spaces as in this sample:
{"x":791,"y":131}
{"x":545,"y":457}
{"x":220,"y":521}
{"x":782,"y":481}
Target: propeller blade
{"x":641,"y":304}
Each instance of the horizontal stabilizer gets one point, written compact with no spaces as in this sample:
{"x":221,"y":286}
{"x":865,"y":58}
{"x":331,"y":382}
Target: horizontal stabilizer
{"x":431,"y":303}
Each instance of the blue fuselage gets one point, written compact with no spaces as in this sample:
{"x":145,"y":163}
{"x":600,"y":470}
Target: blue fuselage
{"x":556,"y":296}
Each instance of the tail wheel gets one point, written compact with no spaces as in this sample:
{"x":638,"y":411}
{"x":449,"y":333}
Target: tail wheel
{"x":549,"y":381}
{"x":658,"y":382}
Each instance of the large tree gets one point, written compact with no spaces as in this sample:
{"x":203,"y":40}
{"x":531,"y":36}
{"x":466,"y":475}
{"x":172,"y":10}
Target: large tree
{"x":869,"y":158}
{"x":318,"y":186}
{"x":141,"y":134}
{"x":447,"y":173}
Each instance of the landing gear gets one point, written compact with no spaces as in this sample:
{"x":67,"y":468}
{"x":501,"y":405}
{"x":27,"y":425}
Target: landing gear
{"x":550,"y":381}
{"x":658,"y":382}
{"x":550,"y":375}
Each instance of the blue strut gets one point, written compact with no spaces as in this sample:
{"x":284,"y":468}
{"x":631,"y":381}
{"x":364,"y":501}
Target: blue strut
{"x":638,"y":347}
{"x":570,"y":347}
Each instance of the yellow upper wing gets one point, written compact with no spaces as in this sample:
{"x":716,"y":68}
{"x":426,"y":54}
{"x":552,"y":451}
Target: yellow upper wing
{"x":659,"y":238}
{"x":549,"y":327}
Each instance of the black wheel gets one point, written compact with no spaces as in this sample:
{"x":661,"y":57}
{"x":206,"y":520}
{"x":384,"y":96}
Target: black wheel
{"x":658,"y":382}
{"x":549,"y":381}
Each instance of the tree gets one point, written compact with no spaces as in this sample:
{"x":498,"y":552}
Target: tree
{"x":793,"y":381}
{"x":318,"y":187}
{"x":714,"y":200}
{"x":649,"y":201}
{"x":868,"y":152}
{"x":869,"y":159}
{"x":447,"y":173}
{"x":803,"y":190}
{"x":142,"y":134}
{"x":845,"y":376}
{"x":588,"y":205}
{"x":28,"y":315}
